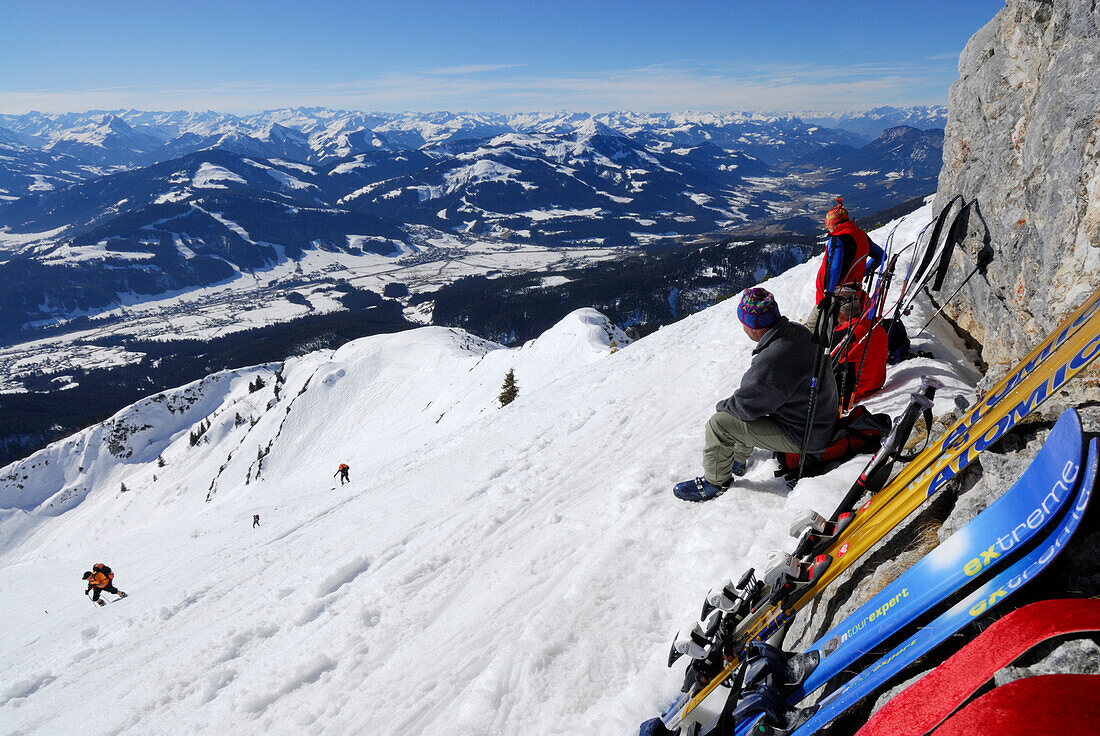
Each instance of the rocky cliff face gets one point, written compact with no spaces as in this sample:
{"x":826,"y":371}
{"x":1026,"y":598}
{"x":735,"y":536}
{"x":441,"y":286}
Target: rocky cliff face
{"x":1023,"y":139}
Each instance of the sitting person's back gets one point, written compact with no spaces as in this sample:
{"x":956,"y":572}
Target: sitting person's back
{"x":777,"y":385}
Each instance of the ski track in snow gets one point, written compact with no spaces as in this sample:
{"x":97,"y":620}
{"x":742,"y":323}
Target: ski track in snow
{"x":516,"y":570}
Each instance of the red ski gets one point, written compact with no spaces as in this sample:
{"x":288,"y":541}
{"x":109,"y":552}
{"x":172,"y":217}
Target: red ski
{"x":926,"y":703}
{"x":1044,"y":705}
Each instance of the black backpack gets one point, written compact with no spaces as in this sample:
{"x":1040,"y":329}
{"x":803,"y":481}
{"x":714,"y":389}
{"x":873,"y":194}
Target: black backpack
{"x":897,"y":345}
{"x":859,"y":432}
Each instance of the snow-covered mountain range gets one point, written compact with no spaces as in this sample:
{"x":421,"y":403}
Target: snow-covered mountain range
{"x":128,"y":137}
{"x":871,"y":123}
{"x":515,"y":570}
{"x":107,"y":210}
{"x":331,"y":133}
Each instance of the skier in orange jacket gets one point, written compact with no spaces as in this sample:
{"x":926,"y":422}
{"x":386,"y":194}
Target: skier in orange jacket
{"x":100,"y":579}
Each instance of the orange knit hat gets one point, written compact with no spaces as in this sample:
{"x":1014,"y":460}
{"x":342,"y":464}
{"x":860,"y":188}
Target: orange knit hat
{"x":836,"y":215}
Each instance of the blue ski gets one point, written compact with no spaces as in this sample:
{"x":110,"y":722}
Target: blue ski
{"x":988,"y":539}
{"x":977,"y":603}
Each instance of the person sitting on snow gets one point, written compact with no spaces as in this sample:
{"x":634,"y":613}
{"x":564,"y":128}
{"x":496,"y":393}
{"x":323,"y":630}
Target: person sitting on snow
{"x":770,"y":408}
{"x":100,"y":579}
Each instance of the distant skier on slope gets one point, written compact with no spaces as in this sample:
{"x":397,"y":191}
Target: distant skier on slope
{"x":255,"y":520}
{"x":342,"y":471}
{"x":100,"y":579}
{"x":770,"y":407}
{"x":848,"y":254}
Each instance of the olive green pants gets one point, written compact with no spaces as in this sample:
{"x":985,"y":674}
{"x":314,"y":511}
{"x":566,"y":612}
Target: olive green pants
{"x":730,"y":438}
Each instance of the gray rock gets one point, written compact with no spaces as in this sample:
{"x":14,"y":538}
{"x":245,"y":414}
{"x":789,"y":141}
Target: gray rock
{"x":1023,"y":138}
{"x":1073,"y":657}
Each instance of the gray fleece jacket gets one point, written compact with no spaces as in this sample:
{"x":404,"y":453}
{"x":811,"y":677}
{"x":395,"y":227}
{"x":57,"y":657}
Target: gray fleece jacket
{"x":777,"y":385}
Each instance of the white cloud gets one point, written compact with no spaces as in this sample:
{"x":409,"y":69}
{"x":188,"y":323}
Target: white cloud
{"x":471,"y":69}
{"x":657,"y":88}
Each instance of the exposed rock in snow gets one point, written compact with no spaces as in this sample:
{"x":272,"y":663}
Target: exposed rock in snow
{"x":1023,"y":138}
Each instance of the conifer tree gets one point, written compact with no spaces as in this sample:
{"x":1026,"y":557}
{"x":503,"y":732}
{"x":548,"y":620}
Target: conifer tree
{"x":509,"y":390}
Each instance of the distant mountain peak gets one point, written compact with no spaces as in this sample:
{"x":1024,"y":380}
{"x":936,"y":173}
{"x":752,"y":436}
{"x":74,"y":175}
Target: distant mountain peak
{"x":592,"y":127}
{"x":871,"y":123}
{"x":277,"y":133}
{"x":115,"y":123}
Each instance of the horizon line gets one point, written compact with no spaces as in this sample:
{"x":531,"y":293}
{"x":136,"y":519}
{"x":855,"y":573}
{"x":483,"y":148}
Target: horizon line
{"x":456,"y":111}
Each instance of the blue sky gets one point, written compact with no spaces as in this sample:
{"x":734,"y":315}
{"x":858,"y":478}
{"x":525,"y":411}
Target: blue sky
{"x":243,"y":56}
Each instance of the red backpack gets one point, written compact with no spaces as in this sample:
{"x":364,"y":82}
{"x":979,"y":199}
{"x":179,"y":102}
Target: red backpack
{"x":100,"y":567}
{"x":859,"y":432}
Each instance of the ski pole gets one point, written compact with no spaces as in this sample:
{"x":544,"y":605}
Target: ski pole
{"x":849,"y":401}
{"x":725,"y":721}
{"x":841,"y":348}
{"x":935,"y":223}
{"x":878,"y":467}
{"x":985,"y":257}
{"x":821,"y":331}
{"x":925,"y":269}
{"x":874,"y":312}
{"x":839,"y":356}
{"x":884,"y":287}
{"x":870,"y":277}
{"x":949,"y":245}
{"x":888,"y":275}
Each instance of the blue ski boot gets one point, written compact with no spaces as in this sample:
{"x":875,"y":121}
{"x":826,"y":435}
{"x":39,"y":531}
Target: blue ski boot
{"x":698,"y":490}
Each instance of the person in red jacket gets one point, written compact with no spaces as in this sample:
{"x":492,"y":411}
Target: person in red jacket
{"x":848,"y":253}
{"x":100,"y":579}
{"x":860,"y":350}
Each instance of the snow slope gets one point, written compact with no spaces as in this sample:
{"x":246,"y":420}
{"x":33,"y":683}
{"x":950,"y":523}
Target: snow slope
{"x":516,"y":570}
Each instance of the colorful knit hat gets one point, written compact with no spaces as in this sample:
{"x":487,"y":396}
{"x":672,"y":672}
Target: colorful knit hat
{"x":757,"y":310}
{"x":836,"y":215}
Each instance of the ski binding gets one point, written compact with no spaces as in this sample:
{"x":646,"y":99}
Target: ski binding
{"x":786,"y":575}
{"x":814,"y":532}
